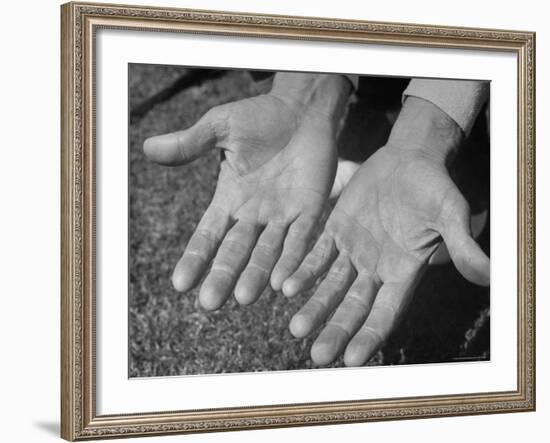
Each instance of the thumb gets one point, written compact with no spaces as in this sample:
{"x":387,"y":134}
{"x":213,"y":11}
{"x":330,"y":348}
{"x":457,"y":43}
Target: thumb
{"x":467,"y":256}
{"x":181,"y":147}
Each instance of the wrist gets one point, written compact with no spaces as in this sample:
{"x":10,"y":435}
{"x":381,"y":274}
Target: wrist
{"x":424,"y":128}
{"x":323,"y":94}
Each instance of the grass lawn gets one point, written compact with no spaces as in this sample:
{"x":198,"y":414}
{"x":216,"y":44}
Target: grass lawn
{"x":170,"y":335}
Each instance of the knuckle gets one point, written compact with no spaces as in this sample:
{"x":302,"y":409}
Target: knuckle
{"x":297,"y":232}
{"x":340,"y":327}
{"x":315,"y":307}
{"x":193,"y":253}
{"x":338,"y":273}
{"x":388,"y":307}
{"x":287,"y":261}
{"x":257,"y":267}
{"x":221,"y":268}
{"x":373,"y":334}
{"x":204,"y":234}
{"x":305,"y":273}
{"x":313,"y":263}
{"x":356,"y":301}
{"x":322,"y":252}
{"x":233,"y":247}
{"x":197,"y":247}
{"x":265,"y":249}
{"x":336,"y":277}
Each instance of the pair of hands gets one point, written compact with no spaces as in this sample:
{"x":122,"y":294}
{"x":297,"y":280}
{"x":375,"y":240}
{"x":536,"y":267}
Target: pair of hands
{"x":277,"y":174}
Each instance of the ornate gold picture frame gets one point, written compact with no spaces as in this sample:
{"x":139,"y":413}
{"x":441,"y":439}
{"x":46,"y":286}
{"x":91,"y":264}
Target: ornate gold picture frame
{"x":80,"y":22}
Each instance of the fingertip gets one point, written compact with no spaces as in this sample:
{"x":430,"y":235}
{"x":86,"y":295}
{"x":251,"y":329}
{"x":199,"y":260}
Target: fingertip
{"x":243,"y":295}
{"x":153,"y":148}
{"x":355,"y":356}
{"x":279,"y":275}
{"x":163,"y":149}
{"x":276,"y":281}
{"x":361,"y":349}
{"x":473,"y":264}
{"x":468,"y":257}
{"x":181,"y":281}
{"x":299,"y":326}
{"x":187,"y":273}
{"x":148,"y":146}
{"x":290,"y":287}
{"x":210,"y":299}
{"x":485,"y":270}
{"x":483,"y":277}
{"x":322,"y":353}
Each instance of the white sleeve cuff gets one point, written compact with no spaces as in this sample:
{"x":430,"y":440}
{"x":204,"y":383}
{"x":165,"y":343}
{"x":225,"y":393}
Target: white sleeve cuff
{"x":459,"y":99}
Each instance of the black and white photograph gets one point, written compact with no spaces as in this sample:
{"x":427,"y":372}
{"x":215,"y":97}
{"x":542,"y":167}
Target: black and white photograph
{"x":281,"y":221}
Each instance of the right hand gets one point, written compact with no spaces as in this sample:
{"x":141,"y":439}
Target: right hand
{"x":277,"y":173}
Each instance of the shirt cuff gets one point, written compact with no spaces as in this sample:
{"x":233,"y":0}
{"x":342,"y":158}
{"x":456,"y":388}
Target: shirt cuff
{"x":459,"y":99}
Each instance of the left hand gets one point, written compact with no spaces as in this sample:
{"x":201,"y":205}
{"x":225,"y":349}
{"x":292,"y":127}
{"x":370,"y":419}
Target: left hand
{"x":392,"y":216}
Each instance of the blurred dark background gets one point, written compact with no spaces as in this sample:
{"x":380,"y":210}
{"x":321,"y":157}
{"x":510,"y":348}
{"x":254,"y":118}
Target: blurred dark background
{"x":448,"y":321}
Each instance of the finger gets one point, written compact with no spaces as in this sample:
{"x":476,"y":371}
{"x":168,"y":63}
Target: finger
{"x":346,"y":321}
{"x":477,"y":224}
{"x":230,"y":260}
{"x":255,"y":277}
{"x":467,"y":256}
{"x":327,"y":296}
{"x":388,"y":306}
{"x":201,"y":248}
{"x":181,"y":147}
{"x":315,"y":264}
{"x":295,"y":248}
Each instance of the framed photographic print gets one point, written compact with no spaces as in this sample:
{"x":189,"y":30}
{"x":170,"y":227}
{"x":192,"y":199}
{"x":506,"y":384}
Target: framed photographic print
{"x":282,"y":221}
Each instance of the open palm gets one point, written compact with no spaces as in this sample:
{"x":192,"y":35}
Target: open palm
{"x":392,"y":216}
{"x":277,"y":172}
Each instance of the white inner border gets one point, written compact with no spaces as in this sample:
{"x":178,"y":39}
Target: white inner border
{"x":117,"y":394}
